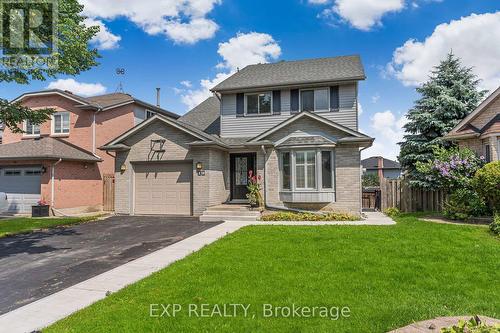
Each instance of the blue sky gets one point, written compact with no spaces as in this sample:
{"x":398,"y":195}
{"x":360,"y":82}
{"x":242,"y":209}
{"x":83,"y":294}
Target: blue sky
{"x":177,"y":43}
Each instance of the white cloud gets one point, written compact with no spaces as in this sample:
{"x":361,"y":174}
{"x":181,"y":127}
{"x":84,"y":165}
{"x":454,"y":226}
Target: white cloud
{"x":360,"y":109}
{"x":183,"y":21}
{"x":186,"y":83}
{"x":104,"y":40}
{"x":362,"y":14}
{"x":388,"y":131}
{"x":472,"y":38}
{"x":318,"y":2}
{"x":246,"y":49}
{"x":375,"y":98}
{"x":238,"y":52}
{"x":78,"y":88}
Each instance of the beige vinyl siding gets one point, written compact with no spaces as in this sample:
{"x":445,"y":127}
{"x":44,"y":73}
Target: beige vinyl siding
{"x":232,"y":126}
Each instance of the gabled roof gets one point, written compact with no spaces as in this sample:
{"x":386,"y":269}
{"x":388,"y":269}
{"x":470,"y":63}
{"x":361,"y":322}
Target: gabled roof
{"x":289,"y":73}
{"x":314,"y":116}
{"x":372,"y":163}
{"x":205,"y":116}
{"x":315,"y":140}
{"x":195,"y":132}
{"x":100,"y":102}
{"x":462,"y":125}
{"x":45,"y":148}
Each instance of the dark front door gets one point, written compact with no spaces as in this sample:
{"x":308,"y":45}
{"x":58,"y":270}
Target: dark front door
{"x":241,"y":164}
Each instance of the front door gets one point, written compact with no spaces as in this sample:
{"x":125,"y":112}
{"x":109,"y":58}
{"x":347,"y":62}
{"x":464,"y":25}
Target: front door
{"x":241,"y":164}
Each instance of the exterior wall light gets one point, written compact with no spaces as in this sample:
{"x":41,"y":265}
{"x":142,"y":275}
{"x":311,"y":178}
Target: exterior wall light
{"x":199,"y":166}
{"x":123,"y":168}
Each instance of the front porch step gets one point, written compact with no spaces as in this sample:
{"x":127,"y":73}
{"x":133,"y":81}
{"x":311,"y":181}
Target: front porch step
{"x":234,"y":218}
{"x":222,"y":212}
{"x":230,"y":212}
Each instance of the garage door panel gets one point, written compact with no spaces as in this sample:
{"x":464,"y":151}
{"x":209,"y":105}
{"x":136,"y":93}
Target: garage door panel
{"x":163,"y":188}
{"x":22,"y":185}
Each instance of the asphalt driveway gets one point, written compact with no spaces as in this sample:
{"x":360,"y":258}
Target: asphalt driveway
{"x":36,"y":265}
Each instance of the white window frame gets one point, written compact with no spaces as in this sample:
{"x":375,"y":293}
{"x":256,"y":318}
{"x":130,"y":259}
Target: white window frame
{"x":305,"y":165}
{"x":314,"y":98}
{"x":146,"y":112}
{"x":258,"y":114}
{"x":319,"y":170}
{"x":53,"y":127}
{"x":30,"y":135}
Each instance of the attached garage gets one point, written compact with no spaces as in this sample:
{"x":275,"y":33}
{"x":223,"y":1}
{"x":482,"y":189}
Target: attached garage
{"x":22,"y":185}
{"x":163,"y":188}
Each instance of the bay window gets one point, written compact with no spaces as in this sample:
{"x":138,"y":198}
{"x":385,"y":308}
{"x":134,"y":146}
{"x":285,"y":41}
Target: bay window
{"x":307,"y":170}
{"x":315,"y":99}
{"x":60,"y":123}
{"x":258,"y":103}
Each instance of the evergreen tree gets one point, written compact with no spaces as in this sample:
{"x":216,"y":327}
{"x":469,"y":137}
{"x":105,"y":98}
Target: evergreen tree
{"x":450,"y":94}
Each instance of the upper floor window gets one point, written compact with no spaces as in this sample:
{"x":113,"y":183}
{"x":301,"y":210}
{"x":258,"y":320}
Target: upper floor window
{"x":149,"y":114}
{"x":315,"y":99}
{"x":258,"y":103}
{"x":31,"y":129}
{"x":60,"y":123}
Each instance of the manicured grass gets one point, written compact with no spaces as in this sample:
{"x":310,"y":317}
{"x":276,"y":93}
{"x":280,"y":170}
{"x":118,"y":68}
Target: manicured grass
{"x":21,"y":225}
{"x":387,"y":276}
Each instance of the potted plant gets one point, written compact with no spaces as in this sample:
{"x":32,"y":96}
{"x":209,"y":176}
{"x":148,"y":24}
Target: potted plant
{"x":254,"y":196}
{"x":41,"y":209}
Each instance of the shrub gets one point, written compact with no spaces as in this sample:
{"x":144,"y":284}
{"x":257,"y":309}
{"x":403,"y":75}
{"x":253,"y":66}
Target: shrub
{"x":474,"y":325}
{"x":293,"y":216}
{"x":487,"y":183}
{"x":392,"y":212}
{"x":495,"y":225}
{"x":463,"y":204}
{"x":254,"y":197}
{"x":370,"y":180}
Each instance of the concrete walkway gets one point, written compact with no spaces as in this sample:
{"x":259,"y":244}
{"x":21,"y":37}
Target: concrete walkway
{"x":50,"y":309}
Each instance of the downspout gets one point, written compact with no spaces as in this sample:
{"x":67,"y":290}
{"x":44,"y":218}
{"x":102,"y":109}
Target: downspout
{"x":93,"y":132}
{"x":265,"y":176}
{"x":52,"y":178}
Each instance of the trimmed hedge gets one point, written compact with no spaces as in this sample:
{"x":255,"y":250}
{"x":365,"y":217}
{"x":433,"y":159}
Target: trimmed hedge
{"x":292,"y":216}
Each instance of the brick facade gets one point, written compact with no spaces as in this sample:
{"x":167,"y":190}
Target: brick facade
{"x":78,"y":186}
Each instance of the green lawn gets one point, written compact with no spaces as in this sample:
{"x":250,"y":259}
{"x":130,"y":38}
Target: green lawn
{"x":387,"y":276}
{"x":21,"y":225}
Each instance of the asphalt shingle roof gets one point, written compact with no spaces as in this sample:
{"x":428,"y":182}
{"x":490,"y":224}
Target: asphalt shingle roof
{"x":306,"y":140}
{"x":295,"y":72}
{"x":372,"y":163}
{"x":205,"y":116}
{"x":45,"y":148}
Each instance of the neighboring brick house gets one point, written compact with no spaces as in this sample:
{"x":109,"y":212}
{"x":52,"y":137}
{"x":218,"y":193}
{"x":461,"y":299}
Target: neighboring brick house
{"x":480,"y":130}
{"x":382,"y":167}
{"x":59,"y":161}
{"x":294,"y":123}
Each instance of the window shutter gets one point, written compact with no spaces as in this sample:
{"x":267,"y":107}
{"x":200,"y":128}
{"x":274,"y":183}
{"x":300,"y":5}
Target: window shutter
{"x":487,"y":152}
{"x":276,"y":101}
{"x":240,"y":105}
{"x":294,"y":100}
{"x":334,"y":98}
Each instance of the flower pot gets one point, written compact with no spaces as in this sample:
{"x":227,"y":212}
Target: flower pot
{"x":40,"y":211}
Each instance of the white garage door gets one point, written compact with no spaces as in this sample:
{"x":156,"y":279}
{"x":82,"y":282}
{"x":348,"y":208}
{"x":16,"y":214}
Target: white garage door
{"x":163,"y":188}
{"x":22,"y":186}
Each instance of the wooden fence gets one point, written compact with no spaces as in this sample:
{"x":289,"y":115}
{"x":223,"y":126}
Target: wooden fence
{"x":397,"y":193}
{"x":109,"y":193}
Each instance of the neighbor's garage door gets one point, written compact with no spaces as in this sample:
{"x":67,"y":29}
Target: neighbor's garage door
{"x":163,"y":188}
{"x":22,"y":186}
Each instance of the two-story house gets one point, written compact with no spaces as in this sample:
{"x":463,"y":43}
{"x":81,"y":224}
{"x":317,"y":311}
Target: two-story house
{"x":294,"y":123}
{"x":59,"y":162}
{"x":480,"y":130}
